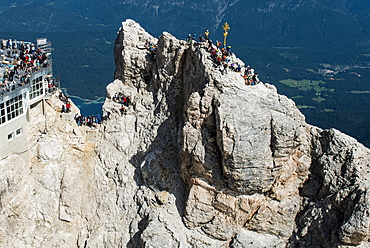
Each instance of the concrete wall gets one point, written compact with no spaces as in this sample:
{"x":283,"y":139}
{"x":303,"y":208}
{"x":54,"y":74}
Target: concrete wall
{"x":13,"y":138}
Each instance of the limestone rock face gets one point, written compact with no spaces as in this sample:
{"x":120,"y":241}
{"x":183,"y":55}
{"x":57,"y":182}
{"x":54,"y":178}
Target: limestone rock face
{"x":199,"y":159}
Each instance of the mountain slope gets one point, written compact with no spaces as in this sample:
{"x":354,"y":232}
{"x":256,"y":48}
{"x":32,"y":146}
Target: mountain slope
{"x":277,"y":22}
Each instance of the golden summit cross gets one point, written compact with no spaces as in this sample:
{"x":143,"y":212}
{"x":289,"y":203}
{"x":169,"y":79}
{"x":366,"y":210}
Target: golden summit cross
{"x":226,"y":33}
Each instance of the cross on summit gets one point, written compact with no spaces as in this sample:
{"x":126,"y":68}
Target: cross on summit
{"x":226,"y":33}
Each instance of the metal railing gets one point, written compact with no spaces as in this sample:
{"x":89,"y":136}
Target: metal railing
{"x":18,"y":89}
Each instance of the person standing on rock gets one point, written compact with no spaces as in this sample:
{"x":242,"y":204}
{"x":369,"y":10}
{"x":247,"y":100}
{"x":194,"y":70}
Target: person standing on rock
{"x":189,"y":38}
{"x":68,"y":107}
{"x":218,"y":44}
{"x":225,"y":68}
{"x":210,"y":45}
{"x":218,"y":62}
{"x":123,"y":110}
{"x":206,"y":34}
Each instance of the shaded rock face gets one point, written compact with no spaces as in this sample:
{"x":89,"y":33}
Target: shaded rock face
{"x":335,"y":197}
{"x":199,"y":159}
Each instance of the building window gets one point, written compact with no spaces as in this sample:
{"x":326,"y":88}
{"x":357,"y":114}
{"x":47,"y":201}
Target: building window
{"x":2,"y":113}
{"x":10,"y":136}
{"x":18,"y":132}
{"x":37,"y":88}
{"x":14,"y":107}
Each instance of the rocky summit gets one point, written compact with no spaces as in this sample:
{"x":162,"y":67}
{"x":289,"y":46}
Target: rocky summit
{"x":198,"y":159}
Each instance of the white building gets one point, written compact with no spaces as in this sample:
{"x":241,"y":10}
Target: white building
{"x":17,"y":99}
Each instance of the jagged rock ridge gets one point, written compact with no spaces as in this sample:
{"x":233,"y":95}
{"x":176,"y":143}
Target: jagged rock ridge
{"x":199,"y":160}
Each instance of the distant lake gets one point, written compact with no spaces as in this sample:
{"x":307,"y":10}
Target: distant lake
{"x":87,"y":106}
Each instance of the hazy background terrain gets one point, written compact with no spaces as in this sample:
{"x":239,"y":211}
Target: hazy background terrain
{"x":317,"y":52}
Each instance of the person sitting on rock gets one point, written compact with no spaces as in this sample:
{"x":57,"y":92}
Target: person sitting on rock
{"x":98,"y":118}
{"x":128,"y":101}
{"x":239,"y":68}
{"x":232,"y":67}
{"x":152,"y":51}
{"x":123,"y":110}
{"x":78,"y":119}
{"x":228,"y":50}
{"x":214,"y":53}
{"x":255,"y":79}
{"x":248,"y":80}
{"x":61,"y":96}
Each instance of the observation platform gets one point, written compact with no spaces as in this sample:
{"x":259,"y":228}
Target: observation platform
{"x":26,"y":80}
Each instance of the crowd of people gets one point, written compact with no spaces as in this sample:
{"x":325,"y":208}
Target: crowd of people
{"x":122,"y":99}
{"x":221,"y":56}
{"x":251,"y":78}
{"x":94,"y":120}
{"x":20,"y":59}
{"x":90,"y":121}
